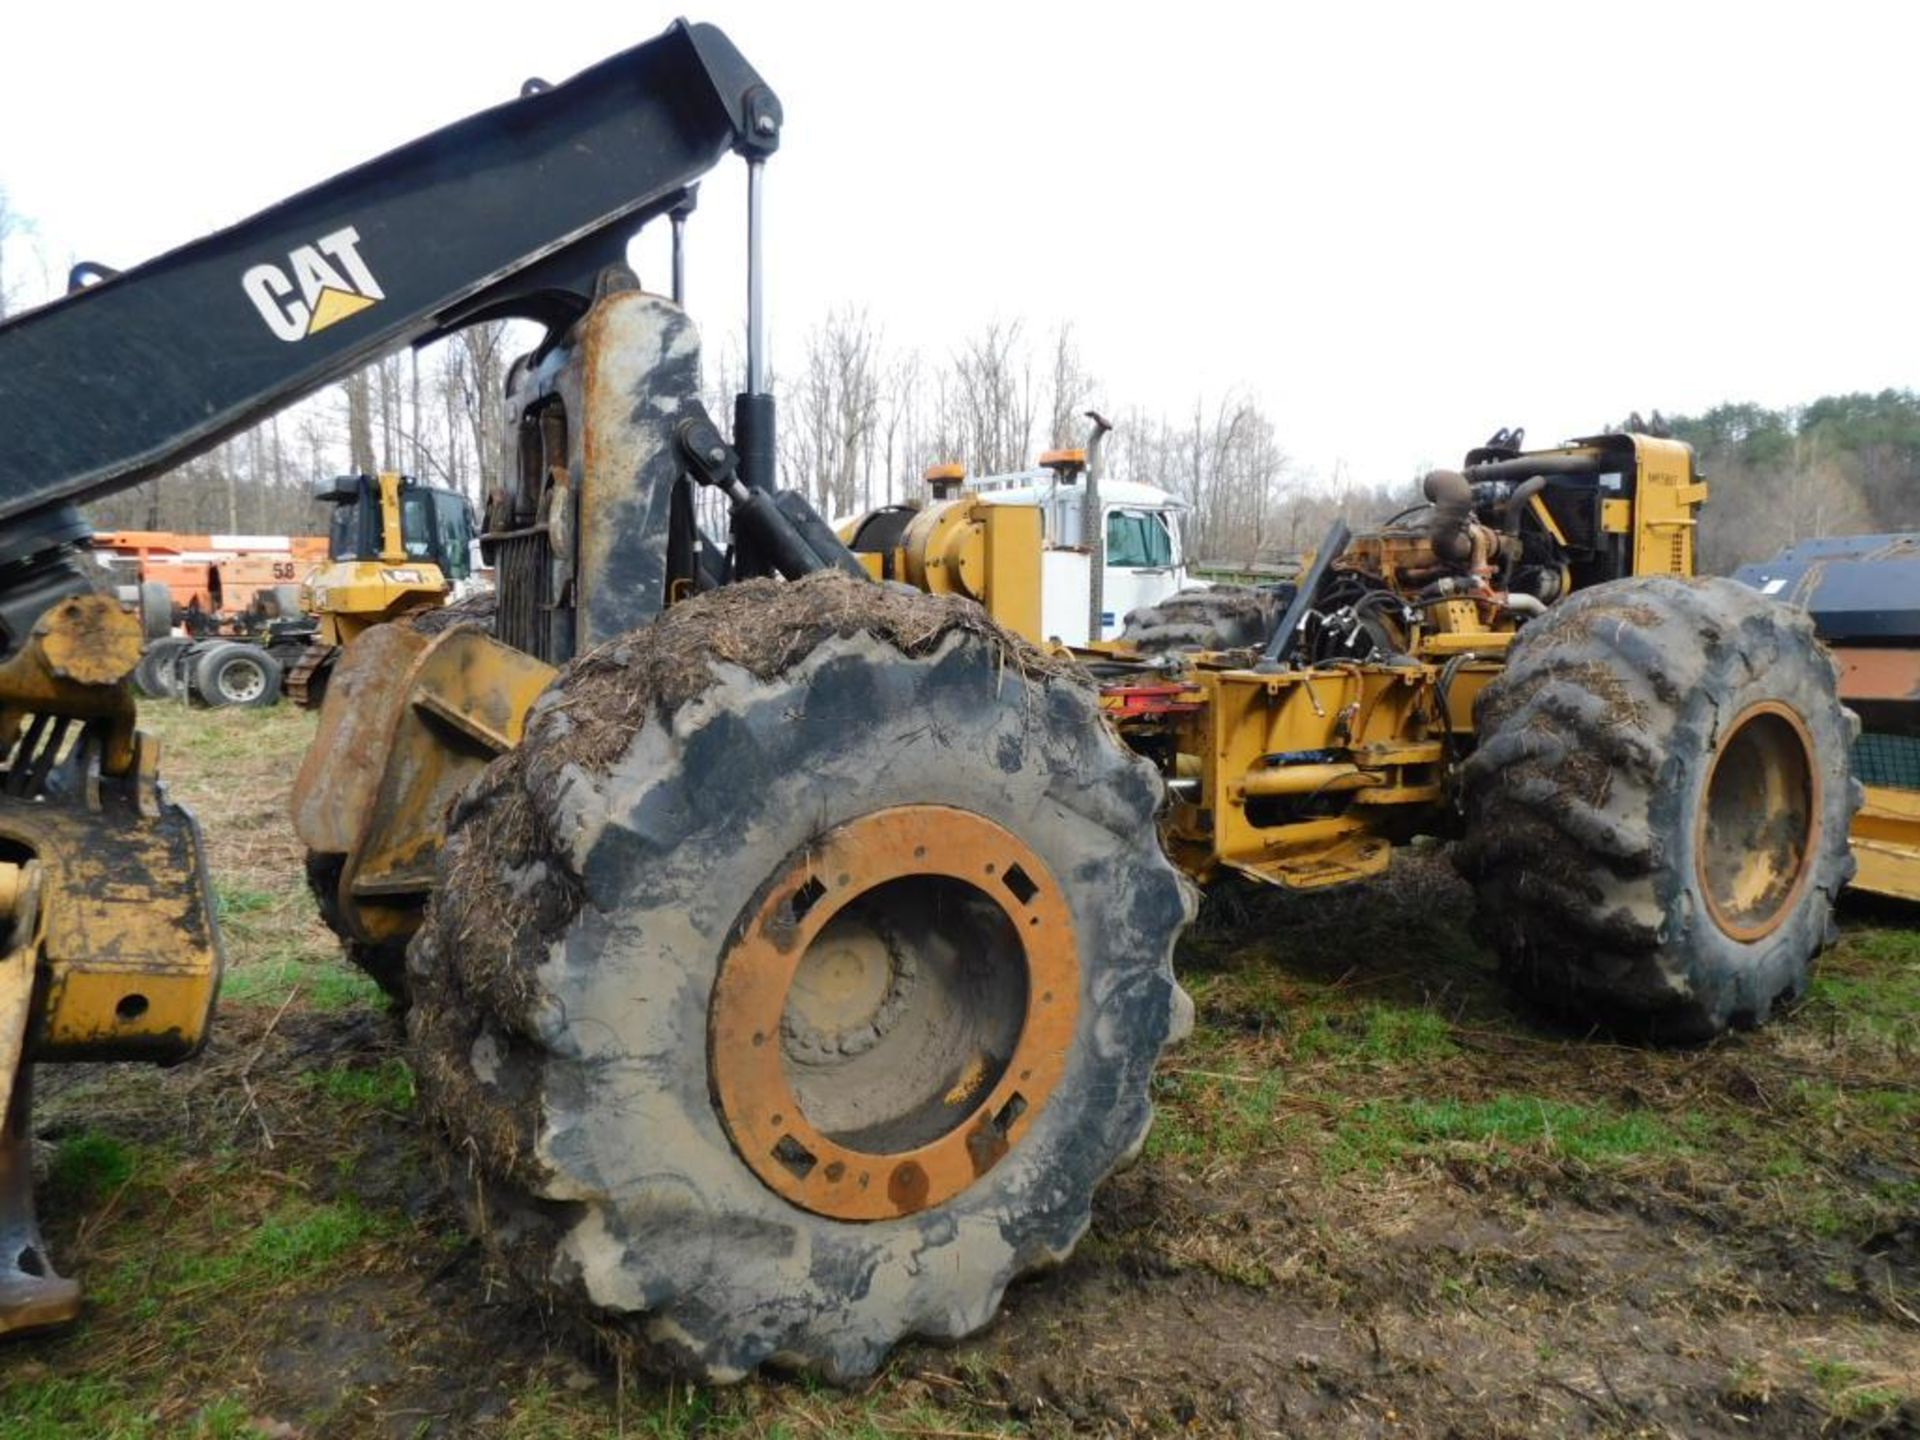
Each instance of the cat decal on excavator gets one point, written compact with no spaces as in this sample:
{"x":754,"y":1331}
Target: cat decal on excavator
{"x":320,"y":285}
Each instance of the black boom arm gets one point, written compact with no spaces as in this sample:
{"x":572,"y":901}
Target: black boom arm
{"x":510,"y":212}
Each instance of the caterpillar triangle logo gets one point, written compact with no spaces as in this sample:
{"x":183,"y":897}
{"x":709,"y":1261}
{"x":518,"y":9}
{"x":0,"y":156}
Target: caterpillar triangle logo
{"x":320,"y":285}
{"x":335,"y":305}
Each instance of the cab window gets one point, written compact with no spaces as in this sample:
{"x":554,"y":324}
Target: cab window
{"x":453,"y":534}
{"x":347,"y":531}
{"x":1138,"y":540}
{"x":416,"y":524}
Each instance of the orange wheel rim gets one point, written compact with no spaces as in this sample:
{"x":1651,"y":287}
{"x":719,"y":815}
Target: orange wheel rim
{"x":1758,"y":827}
{"x":893,"y":1012}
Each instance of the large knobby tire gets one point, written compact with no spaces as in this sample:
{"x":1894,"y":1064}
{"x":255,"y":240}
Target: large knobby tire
{"x":1657,"y":810}
{"x":774,"y":854}
{"x":384,"y":962}
{"x":476,"y":610}
{"x":1212,"y":617}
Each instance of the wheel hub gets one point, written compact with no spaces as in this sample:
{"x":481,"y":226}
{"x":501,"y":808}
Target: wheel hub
{"x":849,"y":991}
{"x":894,"y":1012}
{"x":241,"y":681}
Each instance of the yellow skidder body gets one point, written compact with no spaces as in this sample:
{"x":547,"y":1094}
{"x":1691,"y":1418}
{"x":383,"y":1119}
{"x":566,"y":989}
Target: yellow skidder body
{"x":962,"y":546}
{"x":1525,"y":664}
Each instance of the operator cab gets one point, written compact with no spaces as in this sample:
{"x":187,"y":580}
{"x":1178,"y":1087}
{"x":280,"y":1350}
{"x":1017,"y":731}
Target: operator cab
{"x":436,"y":526}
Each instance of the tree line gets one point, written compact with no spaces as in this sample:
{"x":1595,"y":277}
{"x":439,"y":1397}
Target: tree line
{"x":1841,"y":465}
{"x":863,"y":417}
{"x":435,"y":413}
{"x":862,"y":420}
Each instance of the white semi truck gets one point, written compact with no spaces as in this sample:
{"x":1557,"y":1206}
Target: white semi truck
{"x":1145,"y":562}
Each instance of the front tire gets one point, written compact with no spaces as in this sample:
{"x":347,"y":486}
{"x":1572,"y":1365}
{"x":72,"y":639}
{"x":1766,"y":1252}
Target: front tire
{"x":1657,"y":810}
{"x":794,"y":985}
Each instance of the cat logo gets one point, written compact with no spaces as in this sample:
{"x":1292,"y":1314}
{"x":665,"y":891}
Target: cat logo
{"x":329,"y":282}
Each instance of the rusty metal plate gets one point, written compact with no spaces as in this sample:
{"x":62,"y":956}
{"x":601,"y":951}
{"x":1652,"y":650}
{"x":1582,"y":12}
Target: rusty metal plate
{"x":334,"y":791}
{"x":1867,"y":674}
{"x":750,"y":1075}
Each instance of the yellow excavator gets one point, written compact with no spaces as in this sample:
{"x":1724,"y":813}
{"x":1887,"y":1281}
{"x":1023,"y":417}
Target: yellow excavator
{"x":394,"y":546}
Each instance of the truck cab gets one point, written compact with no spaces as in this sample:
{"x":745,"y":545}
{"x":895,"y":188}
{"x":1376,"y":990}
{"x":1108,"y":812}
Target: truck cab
{"x":1145,"y":560}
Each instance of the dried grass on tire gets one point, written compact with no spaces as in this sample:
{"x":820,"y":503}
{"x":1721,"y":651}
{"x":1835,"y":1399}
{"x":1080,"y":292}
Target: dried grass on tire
{"x":506,"y":888}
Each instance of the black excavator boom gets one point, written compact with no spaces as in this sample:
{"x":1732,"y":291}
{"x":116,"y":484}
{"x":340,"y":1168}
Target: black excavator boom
{"x":510,"y":212}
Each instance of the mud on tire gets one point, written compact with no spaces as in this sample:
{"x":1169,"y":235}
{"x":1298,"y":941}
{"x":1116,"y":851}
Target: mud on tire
{"x":1657,"y":810}
{"x":601,"y":884}
{"x":1212,"y":617}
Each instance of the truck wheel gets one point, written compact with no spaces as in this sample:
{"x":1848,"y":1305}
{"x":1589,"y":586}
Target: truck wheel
{"x":157,"y":674}
{"x":1213,"y":617}
{"x":793,"y":986}
{"x":1657,"y":811}
{"x":230,"y":673}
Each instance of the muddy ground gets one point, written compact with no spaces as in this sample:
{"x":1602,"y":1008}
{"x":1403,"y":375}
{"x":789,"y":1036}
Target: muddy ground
{"x":1379,"y":1200}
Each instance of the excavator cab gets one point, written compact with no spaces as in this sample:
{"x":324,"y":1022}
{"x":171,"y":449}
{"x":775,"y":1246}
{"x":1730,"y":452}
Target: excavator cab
{"x":394,"y":547}
{"x":394,"y":518}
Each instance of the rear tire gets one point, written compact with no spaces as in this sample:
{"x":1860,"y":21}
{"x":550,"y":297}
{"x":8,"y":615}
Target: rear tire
{"x":675,"y":821}
{"x":386,"y":963}
{"x":233,"y":674}
{"x":156,"y":610}
{"x":1213,"y":617}
{"x":157,"y":675}
{"x":1657,"y":810}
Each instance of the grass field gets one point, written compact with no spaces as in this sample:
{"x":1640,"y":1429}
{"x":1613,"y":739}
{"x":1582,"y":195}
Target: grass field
{"x":1378,"y":1200}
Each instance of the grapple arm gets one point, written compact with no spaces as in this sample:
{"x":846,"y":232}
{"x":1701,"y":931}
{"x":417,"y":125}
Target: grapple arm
{"x":510,"y":212}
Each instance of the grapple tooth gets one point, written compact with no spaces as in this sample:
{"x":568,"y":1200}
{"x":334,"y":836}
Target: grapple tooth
{"x":32,"y":1296}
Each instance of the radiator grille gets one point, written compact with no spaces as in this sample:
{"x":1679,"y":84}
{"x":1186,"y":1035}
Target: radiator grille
{"x":524,"y":578}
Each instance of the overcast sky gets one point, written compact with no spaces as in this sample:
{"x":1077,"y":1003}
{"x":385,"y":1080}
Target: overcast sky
{"x":1397,"y":228}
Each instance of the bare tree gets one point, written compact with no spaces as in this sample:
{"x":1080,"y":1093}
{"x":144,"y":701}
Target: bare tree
{"x":833,"y":411}
{"x":417,"y":461}
{"x":901,"y":457}
{"x":358,"y":391}
{"x":14,"y":228}
{"x":1069,"y":392}
{"x":387,"y":379}
{"x":993,"y":384}
{"x":480,"y":350}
